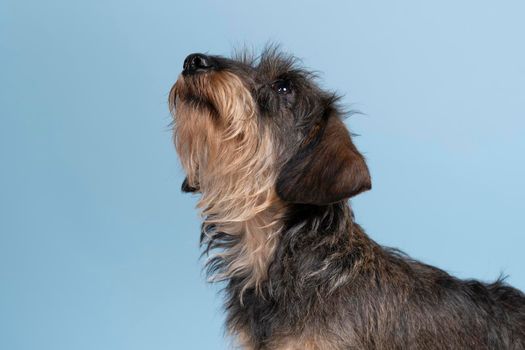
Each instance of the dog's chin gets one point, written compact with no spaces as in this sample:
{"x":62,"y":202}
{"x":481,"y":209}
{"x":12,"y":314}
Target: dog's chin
{"x":192,"y":93}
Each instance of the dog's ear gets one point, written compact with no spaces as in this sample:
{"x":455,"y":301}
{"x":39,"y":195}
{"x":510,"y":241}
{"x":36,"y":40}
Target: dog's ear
{"x":186,"y":187}
{"x":327,"y":169}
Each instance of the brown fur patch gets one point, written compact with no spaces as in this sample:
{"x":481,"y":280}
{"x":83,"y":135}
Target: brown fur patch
{"x":326,"y":170}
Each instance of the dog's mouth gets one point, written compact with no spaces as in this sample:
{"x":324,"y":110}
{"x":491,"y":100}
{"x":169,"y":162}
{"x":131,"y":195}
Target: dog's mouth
{"x":193,"y":91}
{"x":198,"y":102}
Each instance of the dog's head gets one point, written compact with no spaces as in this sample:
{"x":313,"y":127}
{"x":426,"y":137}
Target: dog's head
{"x":254,"y":131}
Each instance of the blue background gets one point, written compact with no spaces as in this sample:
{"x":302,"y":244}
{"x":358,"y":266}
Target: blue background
{"x":98,"y":249}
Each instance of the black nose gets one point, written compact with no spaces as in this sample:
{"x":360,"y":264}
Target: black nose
{"x":196,"y":62}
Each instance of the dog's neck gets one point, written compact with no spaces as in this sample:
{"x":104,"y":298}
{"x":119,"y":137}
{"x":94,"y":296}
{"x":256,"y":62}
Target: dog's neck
{"x":322,"y":238}
{"x":243,"y":221}
{"x":319,"y":250}
{"x":245,"y":248}
{"x":249,"y":249}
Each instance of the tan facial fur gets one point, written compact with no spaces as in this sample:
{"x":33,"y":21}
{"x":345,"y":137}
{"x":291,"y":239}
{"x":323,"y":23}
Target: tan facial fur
{"x":228,"y":156}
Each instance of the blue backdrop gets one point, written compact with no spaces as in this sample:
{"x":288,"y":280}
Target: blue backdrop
{"x":98,"y":249}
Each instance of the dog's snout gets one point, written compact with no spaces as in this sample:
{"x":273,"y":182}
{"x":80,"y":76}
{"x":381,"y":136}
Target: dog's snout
{"x":197,"y":62}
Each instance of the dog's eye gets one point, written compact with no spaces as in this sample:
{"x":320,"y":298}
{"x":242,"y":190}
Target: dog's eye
{"x":282,"y":87}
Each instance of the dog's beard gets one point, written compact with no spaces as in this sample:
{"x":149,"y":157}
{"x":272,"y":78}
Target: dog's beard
{"x":228,"y":155}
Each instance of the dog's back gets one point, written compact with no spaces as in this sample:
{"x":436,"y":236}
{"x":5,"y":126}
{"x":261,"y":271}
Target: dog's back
{"x":443,"y":312}
{"x":364,"y":296}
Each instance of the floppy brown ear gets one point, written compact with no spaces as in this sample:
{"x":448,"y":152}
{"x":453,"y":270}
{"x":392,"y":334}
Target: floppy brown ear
{"x":326,"y":170}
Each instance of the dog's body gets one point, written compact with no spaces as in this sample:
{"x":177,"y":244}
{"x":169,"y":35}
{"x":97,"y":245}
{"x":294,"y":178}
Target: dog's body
{"x":274,"y":164}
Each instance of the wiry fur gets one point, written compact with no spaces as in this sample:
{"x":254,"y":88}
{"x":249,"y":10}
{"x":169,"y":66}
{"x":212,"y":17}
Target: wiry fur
{"x":274,"y":172}
{"x":229,"y":157}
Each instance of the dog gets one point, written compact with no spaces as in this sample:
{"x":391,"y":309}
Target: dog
{"x":268,"y":152}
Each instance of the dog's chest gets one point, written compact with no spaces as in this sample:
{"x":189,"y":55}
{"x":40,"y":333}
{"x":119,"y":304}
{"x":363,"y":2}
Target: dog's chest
{"x":306,"y":341}
{"x":267,"y":326}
